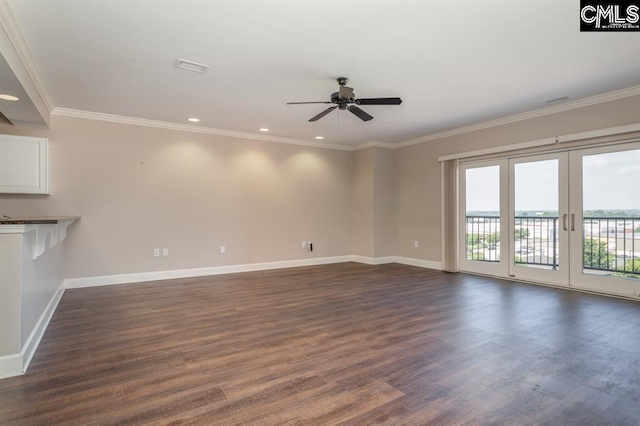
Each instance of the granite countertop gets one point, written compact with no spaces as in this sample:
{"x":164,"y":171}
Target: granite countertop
{"x":35,"y":220}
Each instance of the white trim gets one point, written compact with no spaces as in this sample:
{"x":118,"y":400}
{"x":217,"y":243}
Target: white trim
{"x":30,"y":346}
{"x":22,"y":63}
{"x":17,"y":364}
{"x":137,"y":277}
{"x":197,"y":272}
{"x":10,"y":366}
{"x":430,"y":264}
{"x":373,"y":260}
{"x":363,"y":259}
{"x":121,"y":119}
{"x":384,"y":260}
{"x":567,"y":106}
{"x":499,"y":149}
{"x":593,"y":100}
{"x":376,"y":144}
{"x":609,"y":131}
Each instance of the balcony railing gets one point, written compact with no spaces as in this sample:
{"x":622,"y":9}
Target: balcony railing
{"x":611,"y":244}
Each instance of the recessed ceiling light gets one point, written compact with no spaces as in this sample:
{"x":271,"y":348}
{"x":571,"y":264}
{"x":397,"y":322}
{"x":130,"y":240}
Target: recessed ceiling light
{"x":264,"y":129}
{"x":319,"y":137}
{"x":194,"y":120}
{"x":8,"y":98}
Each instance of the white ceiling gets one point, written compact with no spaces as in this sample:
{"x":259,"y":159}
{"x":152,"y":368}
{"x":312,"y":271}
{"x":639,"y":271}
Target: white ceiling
{"x":454,"y":62}
{"x":23,"y":111}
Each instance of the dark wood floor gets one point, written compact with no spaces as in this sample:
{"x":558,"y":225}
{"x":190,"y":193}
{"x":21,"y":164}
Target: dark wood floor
{"x":336,"y":344}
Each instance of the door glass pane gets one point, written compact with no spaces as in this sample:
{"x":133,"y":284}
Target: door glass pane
{"x":536,"y":232}
{"x":611,"y":211}
{"x":483,"y":213}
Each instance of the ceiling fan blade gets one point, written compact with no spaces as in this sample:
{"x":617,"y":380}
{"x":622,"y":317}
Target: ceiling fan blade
{"x":323,"y":113}
{"x":300,"y":103}
{"x":345,"y":92}
{"x":360,"y":113}
{"x":379,"y":101}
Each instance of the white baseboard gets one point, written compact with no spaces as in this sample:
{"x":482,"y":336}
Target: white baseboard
{"x":232,"y":269}
{"x":197,"y":272}
{"x":30,"y":346}
{"x":418,"y":262}
{"x":372,"y":260}
{"x":17,"y":364}
{"x":10,"y":365}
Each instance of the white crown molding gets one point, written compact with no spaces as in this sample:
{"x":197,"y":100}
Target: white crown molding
{"x":568,"y":106}
{"x":121,"y":119}
{"x":16,"y":52}
{"x":374,"y":144}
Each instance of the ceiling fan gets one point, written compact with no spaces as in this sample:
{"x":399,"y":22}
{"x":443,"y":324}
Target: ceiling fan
{"x":344,"y":98}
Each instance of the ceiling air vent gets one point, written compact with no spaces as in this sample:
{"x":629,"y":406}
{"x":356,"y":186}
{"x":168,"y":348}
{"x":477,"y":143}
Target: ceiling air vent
{"x":190,"y":66}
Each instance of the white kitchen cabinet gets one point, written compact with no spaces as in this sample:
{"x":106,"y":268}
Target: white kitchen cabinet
{"x":24,"y":165}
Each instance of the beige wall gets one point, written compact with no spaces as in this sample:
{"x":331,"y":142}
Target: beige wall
{"x":418,"y":170}
{"x":140,"y":188}
{"x":362,"y":202}
{"x":373,"y":199}
{"x":384,"y":203}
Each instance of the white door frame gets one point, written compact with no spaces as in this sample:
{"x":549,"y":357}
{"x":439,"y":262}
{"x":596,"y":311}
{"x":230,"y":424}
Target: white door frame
{"x":559,"y":276}
{"x":614,"y":285}
{"x":571,"y":243}
{"x":499,"y":269}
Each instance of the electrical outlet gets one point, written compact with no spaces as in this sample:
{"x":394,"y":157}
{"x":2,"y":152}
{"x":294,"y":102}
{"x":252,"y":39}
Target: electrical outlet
{"x":156,"y":252}
{"x":165,"y":252}
{"x":223,"y":249}
{"x":304,"y":244}
{"x":416,"y":244}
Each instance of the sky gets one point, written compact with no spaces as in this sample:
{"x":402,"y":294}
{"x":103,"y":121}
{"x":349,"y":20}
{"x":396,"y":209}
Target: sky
{"x":610,"y":182}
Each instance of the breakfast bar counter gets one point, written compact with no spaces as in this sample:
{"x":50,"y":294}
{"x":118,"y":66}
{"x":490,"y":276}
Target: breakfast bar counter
{"x":31,"y":284}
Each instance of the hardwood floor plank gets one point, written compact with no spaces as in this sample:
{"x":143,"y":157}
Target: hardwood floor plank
{"x":345,"y":344}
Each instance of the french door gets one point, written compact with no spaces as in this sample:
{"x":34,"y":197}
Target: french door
{"x":539,"y":218}
{"x":566,"y":218}
{"x":605,"y":209}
